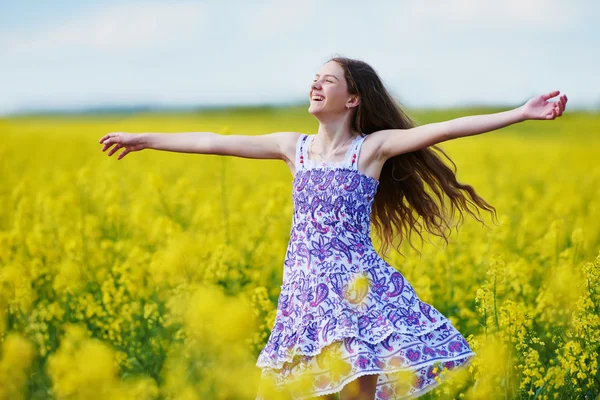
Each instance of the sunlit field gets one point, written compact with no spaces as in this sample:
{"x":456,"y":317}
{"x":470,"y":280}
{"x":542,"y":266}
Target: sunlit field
{"x":157,"y":276}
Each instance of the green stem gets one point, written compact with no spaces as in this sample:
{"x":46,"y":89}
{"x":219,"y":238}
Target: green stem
{"x":495,"y":310}
{"x":224,"y":201}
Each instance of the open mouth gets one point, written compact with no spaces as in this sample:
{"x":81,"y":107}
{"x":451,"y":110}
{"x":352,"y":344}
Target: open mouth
{"x":318,"y":98}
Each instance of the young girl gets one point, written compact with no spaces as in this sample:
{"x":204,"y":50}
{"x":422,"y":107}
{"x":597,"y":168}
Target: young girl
{"x":344,"y":314}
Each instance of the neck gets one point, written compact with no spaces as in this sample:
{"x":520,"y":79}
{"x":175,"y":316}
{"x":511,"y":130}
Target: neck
{"x":333,"y":134}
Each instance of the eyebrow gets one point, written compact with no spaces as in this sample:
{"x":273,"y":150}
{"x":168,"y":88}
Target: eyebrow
{"x":328,"y":75}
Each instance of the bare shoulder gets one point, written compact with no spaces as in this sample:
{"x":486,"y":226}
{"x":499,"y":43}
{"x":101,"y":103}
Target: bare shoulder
{"x":371,"y":158}
{"x":288,"y":143}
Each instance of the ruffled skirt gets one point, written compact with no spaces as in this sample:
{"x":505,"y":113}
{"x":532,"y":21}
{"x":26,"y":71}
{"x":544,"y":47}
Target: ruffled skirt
{"x":330,"y":330}
{"x":407,"y":366}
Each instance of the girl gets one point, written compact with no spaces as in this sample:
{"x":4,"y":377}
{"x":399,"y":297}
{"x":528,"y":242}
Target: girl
{"x":346,"y":318}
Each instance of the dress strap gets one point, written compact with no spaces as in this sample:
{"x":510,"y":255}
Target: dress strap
{"x":301,"y":151}
{"x":354,"y":152}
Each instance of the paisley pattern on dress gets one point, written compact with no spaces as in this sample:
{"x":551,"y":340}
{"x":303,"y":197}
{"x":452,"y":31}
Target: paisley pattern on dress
{"x":339,"y":297}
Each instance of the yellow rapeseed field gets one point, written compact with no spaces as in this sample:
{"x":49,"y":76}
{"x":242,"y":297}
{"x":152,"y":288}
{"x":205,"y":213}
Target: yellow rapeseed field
{"x":157,"y":276}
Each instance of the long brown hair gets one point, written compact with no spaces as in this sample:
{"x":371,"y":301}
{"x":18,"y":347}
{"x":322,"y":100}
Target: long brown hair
{"x":401,"y":183}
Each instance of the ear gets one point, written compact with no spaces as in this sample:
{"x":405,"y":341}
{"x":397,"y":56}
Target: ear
{"x":353,"y":102}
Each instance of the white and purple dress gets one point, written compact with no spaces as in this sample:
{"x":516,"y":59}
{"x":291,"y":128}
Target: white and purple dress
{"x":380,"y":328}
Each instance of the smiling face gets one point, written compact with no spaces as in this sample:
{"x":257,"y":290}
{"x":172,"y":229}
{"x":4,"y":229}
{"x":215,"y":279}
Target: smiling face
{"x":329,"y":91}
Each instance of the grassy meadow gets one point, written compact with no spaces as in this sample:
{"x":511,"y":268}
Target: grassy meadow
{"x":157,"y":276}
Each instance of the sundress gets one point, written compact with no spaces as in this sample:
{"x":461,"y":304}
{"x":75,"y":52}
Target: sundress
{"x":340,"y":299}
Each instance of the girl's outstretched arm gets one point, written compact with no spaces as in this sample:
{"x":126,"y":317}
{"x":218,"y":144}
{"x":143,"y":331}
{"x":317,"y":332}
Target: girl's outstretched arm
{"x":393,"y":142}
{"x":536,"y":108}
{"x":269,"y":146}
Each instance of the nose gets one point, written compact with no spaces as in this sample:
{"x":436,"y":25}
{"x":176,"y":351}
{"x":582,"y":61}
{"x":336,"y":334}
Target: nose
{"x":316,"y":85}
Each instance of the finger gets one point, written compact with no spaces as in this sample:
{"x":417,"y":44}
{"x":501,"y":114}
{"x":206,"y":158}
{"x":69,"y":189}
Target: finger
{"x":114,"y":149}
{"x":123,"y":154}
{"x":107,"y":145}
{"x":105,"y":137}
{"x":550,"y":95}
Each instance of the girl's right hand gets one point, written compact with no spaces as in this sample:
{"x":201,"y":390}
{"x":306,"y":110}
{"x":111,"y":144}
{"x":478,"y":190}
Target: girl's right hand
{"x":129,"y":141}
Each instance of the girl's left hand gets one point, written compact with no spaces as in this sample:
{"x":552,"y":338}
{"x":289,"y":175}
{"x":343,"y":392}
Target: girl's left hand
{"x":539,"y":108}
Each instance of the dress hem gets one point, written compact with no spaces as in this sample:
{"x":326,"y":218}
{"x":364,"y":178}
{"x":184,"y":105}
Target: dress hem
{"x":280,"y":364}
{"x":469,"y":356}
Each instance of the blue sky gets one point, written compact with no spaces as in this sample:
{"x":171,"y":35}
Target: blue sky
{"x":79,"y":54}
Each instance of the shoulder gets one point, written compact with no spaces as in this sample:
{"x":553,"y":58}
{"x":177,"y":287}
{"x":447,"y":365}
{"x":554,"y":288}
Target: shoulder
{"x":372,"y":144}
{"x":371,"y":159}
{"x":287,"y":143}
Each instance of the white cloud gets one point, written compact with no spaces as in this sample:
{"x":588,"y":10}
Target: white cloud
{"x":117,"y":28}
{"x":538,"y":14}
{"x":277,"y":17}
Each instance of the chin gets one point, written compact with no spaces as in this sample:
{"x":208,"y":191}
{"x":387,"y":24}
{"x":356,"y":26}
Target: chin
{"x":315,"y":110}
